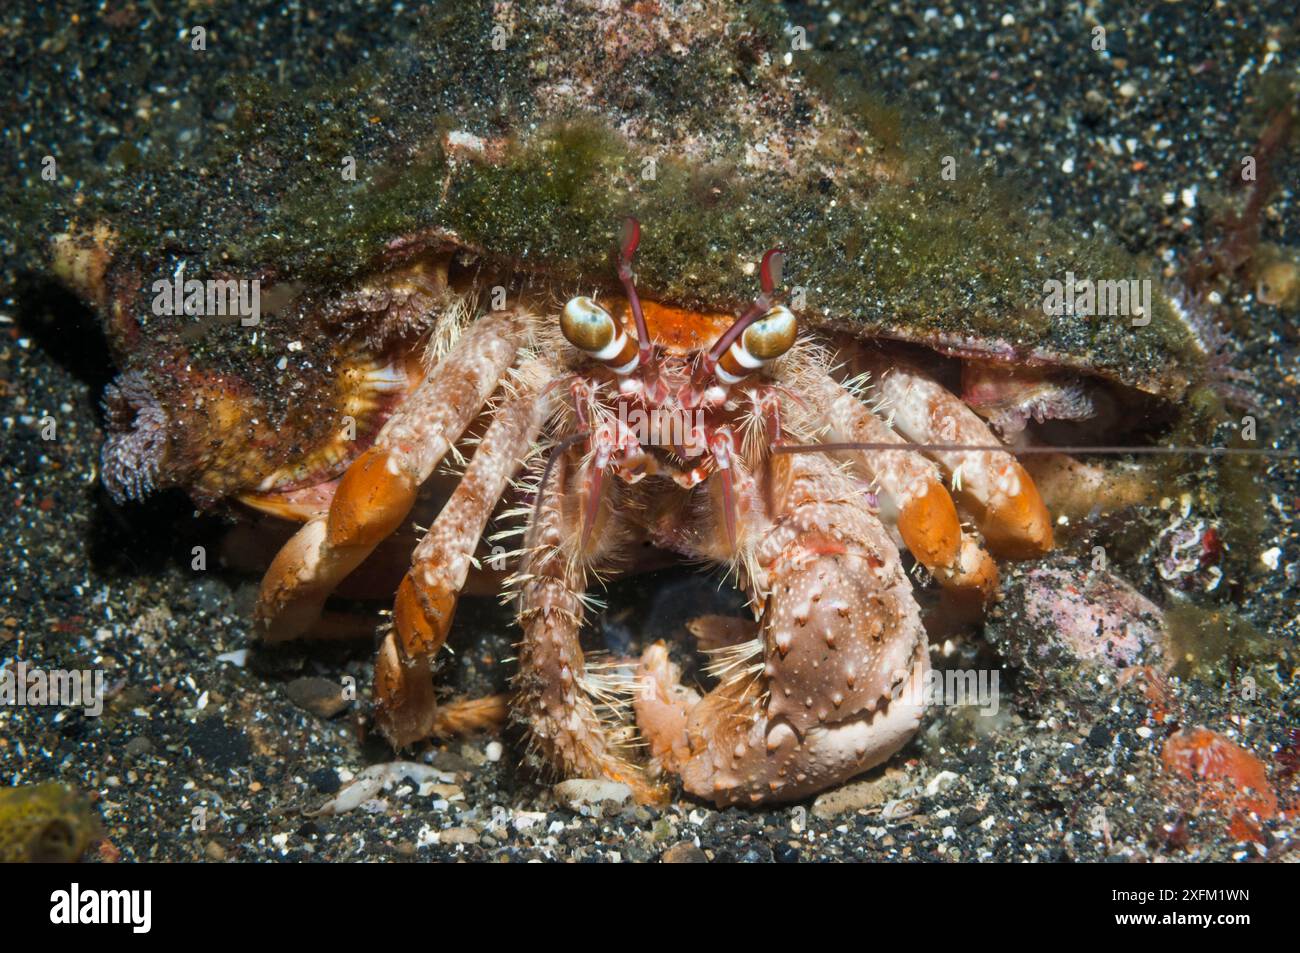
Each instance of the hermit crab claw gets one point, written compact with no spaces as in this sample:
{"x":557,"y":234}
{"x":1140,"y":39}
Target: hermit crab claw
{"x":823,"y":690}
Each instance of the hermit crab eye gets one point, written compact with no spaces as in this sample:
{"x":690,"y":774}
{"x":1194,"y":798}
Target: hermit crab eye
{"x":771,"y":335}
{"x":586,"y":325}
{"x":591,"y":329}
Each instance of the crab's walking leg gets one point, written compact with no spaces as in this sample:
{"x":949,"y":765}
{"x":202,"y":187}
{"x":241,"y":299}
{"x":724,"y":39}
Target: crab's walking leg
{"x":817,"y":697}
{"x":555,"y":701}
{"x":426,"y":598}
{"x":911,"y":493}
{"x":377,"y":491}
{"x":1007,"y":505}
{"x":407,"y":687}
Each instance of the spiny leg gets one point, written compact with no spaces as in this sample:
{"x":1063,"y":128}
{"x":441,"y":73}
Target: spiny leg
{"x":910,"y":491}
{"x":556,"y":700}
{"x":1007,"y":506}
{"x":377,"y":491}
{"x":813,"y":700}
{"x":426,"y":599}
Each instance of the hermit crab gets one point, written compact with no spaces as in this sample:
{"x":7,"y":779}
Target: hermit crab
{"x":662,"y":424}
{"x":455,"y":299}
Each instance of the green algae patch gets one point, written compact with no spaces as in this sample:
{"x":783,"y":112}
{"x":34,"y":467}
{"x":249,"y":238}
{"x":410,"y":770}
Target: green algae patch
{"x":45,"y":823}
{"x":957,"y":253}
{"x":878,"y":242}
{"x":912,"y":258}
{"x":1218,"y":642}
{"x":917,"y":259}
{"x":552,"y":203}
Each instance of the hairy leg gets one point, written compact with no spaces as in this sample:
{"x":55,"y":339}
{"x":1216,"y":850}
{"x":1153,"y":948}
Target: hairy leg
{"x":426,"y":599}
{"x":377,"y":491}
{"x":557,"y":700}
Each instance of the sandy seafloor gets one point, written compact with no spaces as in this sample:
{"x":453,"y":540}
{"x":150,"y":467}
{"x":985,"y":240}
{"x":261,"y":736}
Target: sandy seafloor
{"x":90,"y":583}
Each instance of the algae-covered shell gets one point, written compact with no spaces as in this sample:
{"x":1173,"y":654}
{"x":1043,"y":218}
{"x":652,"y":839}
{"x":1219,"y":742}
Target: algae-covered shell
{"x":45,"y":823}
{"x":522,"y":134}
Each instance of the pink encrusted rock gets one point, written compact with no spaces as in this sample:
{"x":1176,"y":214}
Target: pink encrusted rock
{"x":1095,"y":614}
{"x":1062,"y":624}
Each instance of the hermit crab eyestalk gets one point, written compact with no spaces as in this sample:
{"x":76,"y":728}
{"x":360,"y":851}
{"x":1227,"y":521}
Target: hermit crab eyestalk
{"x":593,"y":330}
{"x":731,"y":356}
{"x":629,"y":239}
{"x":759,"y":344}
{"x":769,"y":271}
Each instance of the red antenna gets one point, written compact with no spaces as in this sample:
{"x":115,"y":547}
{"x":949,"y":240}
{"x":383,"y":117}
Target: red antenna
{"x":628,"y":242}
{"x":769,"y":275}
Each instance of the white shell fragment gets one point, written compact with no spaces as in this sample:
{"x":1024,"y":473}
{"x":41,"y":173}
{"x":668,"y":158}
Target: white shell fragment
{"x":373,"y":780}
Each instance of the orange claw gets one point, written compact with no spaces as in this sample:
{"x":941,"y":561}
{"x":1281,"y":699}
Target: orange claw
{"x":998,"y":490}
{"x":930,"y":527}
{"x":372,"y":500}
{"x":1017,"y":524}
{"x":932,"y":532}
{"x":423,"y":615}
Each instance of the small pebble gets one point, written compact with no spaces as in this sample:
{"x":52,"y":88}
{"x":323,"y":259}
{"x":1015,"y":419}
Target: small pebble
{"x":579,"y":793}
{"x":320,"y":696}
{"x":138,"y":746}
{"x":684,"y":853}
{"x":459,"y":835}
